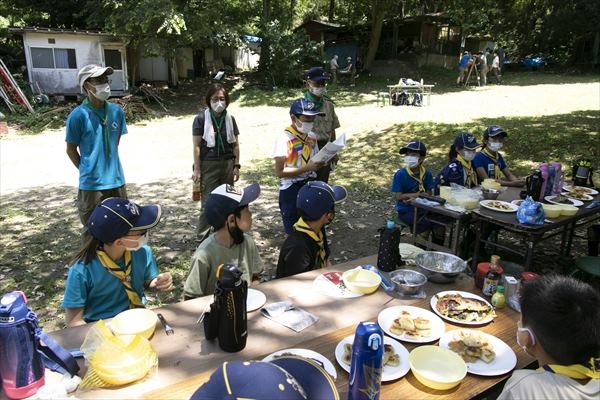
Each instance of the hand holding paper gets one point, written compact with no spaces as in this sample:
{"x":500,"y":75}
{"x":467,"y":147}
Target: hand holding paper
{"x":330,"y":149}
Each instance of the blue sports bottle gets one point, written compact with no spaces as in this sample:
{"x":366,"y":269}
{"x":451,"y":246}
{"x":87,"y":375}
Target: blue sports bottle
{"x":366,"y":366}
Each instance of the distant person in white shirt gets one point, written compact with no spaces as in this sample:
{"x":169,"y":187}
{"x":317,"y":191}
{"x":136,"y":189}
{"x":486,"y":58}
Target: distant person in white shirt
{"x":496,"y":68}
{"x":333,"y":67}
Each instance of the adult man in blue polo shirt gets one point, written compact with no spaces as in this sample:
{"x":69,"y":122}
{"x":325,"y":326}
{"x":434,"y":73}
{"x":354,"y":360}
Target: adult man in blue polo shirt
{"x":94,"y":130}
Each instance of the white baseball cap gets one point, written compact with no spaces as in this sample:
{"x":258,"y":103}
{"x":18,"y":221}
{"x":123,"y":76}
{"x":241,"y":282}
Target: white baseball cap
{"x":92,"y":71}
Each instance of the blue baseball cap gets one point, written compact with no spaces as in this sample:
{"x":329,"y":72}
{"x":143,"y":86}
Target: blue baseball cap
{"x":316,"y":74}
{"x":415,"y":145}
{"x":225,"y":199}
{"x":304,"y":107}
{"x":114,"y":217}
{"x":465,"y":140}
{"x":493,"y":130}
{"x":285,"y":378}
{"x":317,"y":198}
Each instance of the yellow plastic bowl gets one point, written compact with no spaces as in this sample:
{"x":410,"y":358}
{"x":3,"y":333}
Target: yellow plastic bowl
{"x":436,"y":367}
{"x":129,"y":365}
{"x":552,"y":210}
{"x":360,"y":280}
{"x":567,"y":210}
{"x":137,"y":321}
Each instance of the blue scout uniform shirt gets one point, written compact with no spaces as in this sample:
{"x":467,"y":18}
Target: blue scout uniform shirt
{"x":481,"y":160}
{"x":84,"y":129}
{"x":464,"y":61}
{"x":102,"y":295}
{"x":454,"y":172}
{"x":403,"y":183}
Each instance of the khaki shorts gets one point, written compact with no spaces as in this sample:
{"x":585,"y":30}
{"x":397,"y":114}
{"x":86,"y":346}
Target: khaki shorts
{"x":88,"y":199}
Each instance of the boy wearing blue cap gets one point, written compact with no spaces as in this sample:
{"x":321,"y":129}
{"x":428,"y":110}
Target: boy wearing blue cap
{"x":306,"y":247}
{"x":408,"y":182}
{"x":294,"y":149}
{"x":115,"y":265}
{"x":460,"y":169}
{"x":227,"y":211}
{"x":325,"y":125}
{"x":489,"y":163}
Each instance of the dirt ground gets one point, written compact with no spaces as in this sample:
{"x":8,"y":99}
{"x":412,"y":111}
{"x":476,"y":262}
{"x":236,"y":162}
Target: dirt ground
{"x":38,"y":220}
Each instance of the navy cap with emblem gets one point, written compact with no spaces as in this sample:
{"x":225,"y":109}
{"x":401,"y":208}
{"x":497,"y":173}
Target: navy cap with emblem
{"x":414,"y":145}
{"x":285,"y":378}
{"x":316,"y":74}
{"x":225,"y":199}
{"x":465,"y":140}
{"x":317,"y":198}
{"x":494,"y":130}
{"x":304,"y":107}
{"x":115,"y":216}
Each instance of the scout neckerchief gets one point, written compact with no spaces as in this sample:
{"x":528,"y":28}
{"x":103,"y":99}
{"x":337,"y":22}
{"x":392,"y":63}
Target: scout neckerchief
{"x":103,"y":121}
{"x":317,"y":101}
{"x":124,"y":276}
{"x":494,"y":158}
{"x":471,"y":175}
{"x":218,"y":121}
{"x":576,"y":371}
{"x":301,"y":144}
{"x":303,"y":227}
{"x":419,"y":178}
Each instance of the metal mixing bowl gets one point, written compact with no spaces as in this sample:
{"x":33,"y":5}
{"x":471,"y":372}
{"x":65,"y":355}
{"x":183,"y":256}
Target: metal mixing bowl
{"x":490,"y":194}
{"x":407,"y":281}
{"x":440,"y":267}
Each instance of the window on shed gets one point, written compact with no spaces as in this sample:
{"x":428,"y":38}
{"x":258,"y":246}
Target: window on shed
{"x":42,"y":57}
{"x":65,"y":58}
{"x":112,"y":58}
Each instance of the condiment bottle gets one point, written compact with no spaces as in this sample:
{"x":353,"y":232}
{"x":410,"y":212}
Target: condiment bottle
{"x":498,"y":299}
{"x":492,"y":278}
{"x":196,"y":191}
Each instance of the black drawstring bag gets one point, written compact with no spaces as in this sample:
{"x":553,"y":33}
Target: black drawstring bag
{"x":227,"y":317}
{"x":388,"y":257}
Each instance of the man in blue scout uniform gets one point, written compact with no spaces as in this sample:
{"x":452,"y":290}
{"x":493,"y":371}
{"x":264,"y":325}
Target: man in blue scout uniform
{"x":94,"y":130}
{"x":460,"y":169}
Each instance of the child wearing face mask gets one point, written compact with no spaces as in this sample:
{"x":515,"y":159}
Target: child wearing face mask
{"x":489,"y":163}
{"x":94,"y":132}
{"x":216,"y":148}
{"x":560,"y":327}
{"x":115,"y":265}
{"x":460,"y":169}
{"x":293,"y":151}
{"x":325,"y":125}
{"x":227,"y":211}
{"x":408,"y":182}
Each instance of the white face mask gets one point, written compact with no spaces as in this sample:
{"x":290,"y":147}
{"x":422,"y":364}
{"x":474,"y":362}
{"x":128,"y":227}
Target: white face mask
{"x":142,"y":241}
{"x":304,"y":127}
{"x":469,"y":155}
{"x":317,"y":90}
{"x":102,"y":91}
{"x":218,"y":106}
{"x":411,"y":161}
{"x":529,"y":332}
{"x":495,"y":146}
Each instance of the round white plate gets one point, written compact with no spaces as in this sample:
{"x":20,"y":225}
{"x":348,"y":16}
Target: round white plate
{"x":517,"y":202}
{"x":306,"y":353}
{"x":486,"y":204}
{"x":590,"y":191}
{"x":340,"y":290}
{"x":585,"y":197}
{"x":389,"y":373}
{"x":574,"y":202}
{"x":255,"y":300}
{"x":387,"y":316}
{"x":505,"y":360}
{"x":434,"y":300}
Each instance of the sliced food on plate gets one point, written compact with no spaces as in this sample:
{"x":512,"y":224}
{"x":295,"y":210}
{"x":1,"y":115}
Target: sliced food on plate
{"x":462,"y":307}
{"x":498,"y":205}
{"x":411,"y":324}
{"x":414,"y":328}
{"x":472,"y":345}
{"x":562,"y":200}
{"x":580,"y":189}
{"x":390,"y":358}
{"x":578,"y":195}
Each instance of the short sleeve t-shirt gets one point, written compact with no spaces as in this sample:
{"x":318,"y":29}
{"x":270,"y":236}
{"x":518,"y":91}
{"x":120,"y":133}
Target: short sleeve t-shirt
{"x":210,"y":254}
{"x":527,"y":384}
{"x":403,"y":183}
{"x":97,"y":169}
{"x":286,"y":145}
{"x":452,"y":173}
{"x":214,"y":153}
{"x":483,"y":161}
{"x":101,"y":294}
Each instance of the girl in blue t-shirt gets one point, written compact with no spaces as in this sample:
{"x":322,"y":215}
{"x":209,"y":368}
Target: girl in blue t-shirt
{"x":408,"y":182}
{"x":460,"y":169}
{"x":111,"y":271}
{"x":489,"y":163}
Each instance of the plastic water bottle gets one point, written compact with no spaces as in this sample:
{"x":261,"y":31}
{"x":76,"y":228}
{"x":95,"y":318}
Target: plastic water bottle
{"x":367,"y":362}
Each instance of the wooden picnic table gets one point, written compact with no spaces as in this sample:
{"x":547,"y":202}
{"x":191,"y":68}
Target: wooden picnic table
{"x":186,"y":359}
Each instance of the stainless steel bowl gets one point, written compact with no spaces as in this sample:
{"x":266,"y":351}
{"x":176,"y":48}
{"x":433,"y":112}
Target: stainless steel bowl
{"x":490,"y":194}
{"x":407,"y":281}
{"x":440,"y":267}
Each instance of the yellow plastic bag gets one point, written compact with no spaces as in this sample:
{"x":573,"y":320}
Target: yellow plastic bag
{"x":116,"y":360}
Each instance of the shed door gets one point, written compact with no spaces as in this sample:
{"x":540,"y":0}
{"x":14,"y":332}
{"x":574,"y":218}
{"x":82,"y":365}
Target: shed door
{"x":114,"y":57}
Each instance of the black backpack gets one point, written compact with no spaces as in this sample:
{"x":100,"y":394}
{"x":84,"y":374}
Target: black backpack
{"x":388,"y":256}
{"x":417,"y":100}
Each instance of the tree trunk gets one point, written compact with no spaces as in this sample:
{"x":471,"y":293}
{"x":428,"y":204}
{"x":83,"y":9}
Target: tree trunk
{"x":331,"y":11}
{"x":264,"y":44}
{"x":378,"y":14}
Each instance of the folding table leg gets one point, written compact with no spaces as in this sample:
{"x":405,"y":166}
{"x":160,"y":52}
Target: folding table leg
{"x":478,"y":228}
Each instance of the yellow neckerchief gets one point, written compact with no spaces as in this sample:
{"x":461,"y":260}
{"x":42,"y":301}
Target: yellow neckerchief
{"x":124,"y":276}
{"x":494,"y":158}
{"x":419,"y":178}
{"x":471,"y":175}
{"x":301,"y":226}
{"x":576,"y":371}
{"x":301,"y":143}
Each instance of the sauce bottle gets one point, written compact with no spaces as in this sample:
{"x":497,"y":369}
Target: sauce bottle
{"x":492,"y":278}
{"x":498,"y":299}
